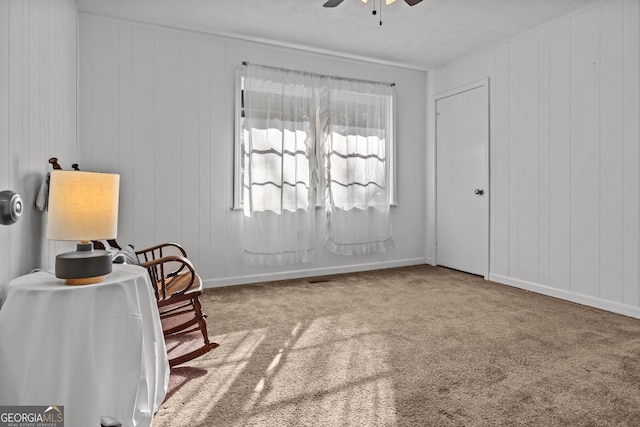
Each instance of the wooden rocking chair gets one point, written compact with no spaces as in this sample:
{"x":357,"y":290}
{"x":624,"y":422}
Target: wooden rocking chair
{"x":177,"y":287}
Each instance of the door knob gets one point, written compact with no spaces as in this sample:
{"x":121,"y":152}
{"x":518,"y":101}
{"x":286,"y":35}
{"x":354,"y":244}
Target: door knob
{"x":479,"y":191}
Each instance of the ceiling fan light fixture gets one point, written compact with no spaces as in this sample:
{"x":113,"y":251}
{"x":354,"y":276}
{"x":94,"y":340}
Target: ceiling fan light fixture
{"x":386,"y":1}
{"x":334,"y":3}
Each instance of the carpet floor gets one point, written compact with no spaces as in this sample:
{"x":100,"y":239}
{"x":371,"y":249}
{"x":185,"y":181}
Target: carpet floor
{"x":415,"y":346}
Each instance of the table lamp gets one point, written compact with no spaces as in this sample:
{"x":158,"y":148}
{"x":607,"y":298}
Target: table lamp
{"x":83,"y":206}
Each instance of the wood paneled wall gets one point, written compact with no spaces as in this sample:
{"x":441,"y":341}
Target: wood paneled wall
{"x":37,"y":118}
{"x":564,"y":153}
{"x":157,"y":105}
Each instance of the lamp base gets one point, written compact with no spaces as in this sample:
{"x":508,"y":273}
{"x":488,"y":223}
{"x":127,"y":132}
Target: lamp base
{"x":83,"y":267}
{"x":85,"y":281}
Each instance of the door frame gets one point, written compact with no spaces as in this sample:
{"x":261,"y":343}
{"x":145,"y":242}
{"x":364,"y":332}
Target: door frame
{"x":483,"y":83}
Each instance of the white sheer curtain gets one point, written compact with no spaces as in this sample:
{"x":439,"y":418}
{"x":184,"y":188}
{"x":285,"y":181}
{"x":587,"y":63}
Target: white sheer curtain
{"x":355,"y":127}
{"x":290,"y":121}
{"x":279,"y":166}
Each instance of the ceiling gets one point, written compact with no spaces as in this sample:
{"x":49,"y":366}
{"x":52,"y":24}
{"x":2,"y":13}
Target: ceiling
{"x":429,"y":34}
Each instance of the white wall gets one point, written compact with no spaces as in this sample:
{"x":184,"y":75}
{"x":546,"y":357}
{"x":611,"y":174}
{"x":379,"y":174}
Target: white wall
{"x":37,"y":118}
{"x":565,"y":157}
{"x":157,"y":105}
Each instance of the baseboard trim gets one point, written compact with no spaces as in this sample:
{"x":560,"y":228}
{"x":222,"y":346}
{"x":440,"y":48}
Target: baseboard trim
{"x":298,"y":274}
{"x":563,"y":294}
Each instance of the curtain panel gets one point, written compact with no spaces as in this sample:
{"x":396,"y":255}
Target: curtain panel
{"x":356,"y":166}
{"x":310,"y":140}
{"x":279,"y":168}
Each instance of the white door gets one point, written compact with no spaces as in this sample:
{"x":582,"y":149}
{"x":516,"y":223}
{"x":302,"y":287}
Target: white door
{"x":462,"y":200}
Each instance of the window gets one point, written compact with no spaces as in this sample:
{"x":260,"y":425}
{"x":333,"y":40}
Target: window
{"x":279,"y":132}
{"x":359,"y":155}
{"x":348,"y":160}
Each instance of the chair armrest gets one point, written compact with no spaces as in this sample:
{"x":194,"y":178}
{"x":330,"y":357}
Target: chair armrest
{"x":160,"y":251}
{"x":163,"y":280}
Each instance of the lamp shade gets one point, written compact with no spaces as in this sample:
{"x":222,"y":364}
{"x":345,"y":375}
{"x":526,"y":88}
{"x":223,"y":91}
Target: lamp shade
{"x":82,"y":205}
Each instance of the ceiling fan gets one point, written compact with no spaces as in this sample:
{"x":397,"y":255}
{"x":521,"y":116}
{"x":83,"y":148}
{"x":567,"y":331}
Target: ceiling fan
{"x":334,"y":3}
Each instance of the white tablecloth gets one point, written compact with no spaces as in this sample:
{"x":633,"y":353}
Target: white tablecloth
{"x":97,"y":350}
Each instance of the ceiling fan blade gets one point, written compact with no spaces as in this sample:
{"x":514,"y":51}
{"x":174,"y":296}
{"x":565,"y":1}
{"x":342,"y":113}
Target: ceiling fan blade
{"x":332,"y":3}
{"x":412,"y":2}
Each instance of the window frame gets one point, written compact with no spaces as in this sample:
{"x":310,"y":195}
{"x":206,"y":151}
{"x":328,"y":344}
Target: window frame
{"x":238,"y":204}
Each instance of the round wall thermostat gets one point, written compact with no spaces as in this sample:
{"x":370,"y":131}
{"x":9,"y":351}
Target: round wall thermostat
{"x":11,"y":207}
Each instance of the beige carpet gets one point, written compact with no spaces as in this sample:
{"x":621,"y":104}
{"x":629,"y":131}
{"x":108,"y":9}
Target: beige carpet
{"x":417,"y":346}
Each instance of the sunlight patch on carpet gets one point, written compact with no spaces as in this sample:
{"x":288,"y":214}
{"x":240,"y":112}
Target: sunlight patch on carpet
{"x":335,"y":370}
{"x":232,"y":357}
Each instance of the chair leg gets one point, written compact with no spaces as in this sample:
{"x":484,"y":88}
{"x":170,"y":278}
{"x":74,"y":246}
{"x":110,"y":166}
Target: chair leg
{"x":201,"y":322}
